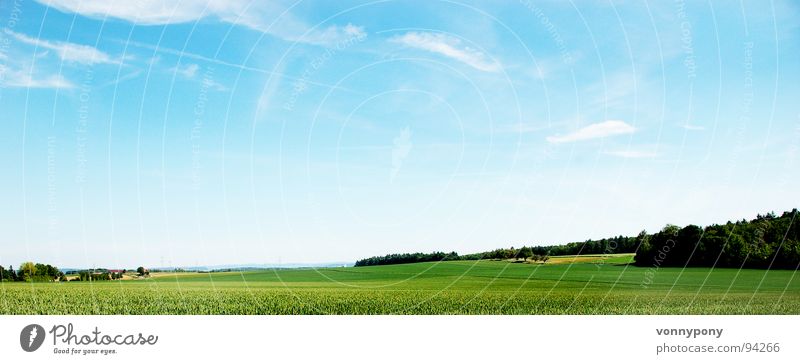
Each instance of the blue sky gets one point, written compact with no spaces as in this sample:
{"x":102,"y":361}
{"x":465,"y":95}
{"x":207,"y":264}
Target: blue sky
{"x":221,"y":132}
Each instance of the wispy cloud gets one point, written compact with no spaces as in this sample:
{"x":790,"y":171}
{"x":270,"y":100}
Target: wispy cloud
{"x":692,"y":127}
{"x":594,"y":131}
{"x":633,"y":154}
{"x":68,"y":52}
{"x":269,"y":17}
{"x":188,"y":70}
{"x":327,"y":36}
{"x":148,"y":12}
{"x":19,"y":78}
{"x":451,"y":47}
{"x":522,"y":127}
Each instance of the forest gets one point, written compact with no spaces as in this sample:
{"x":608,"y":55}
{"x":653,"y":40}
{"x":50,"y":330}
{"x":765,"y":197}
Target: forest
{"x":768,"y":241}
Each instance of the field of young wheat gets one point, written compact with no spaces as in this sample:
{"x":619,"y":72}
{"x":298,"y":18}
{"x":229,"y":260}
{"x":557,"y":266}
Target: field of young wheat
{"x":460,"y":287}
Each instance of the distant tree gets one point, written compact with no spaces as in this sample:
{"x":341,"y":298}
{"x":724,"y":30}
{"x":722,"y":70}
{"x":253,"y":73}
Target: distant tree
{"x":411,"y":258}
{"x":525,"y":253}
{"x":545,"y":258}
{"x":41,"y":269}
{"x":511,"y":253}
{"x":27,"y":270}
{"x":788,"y":253}
{"x":12,"y":273}
{"x":687,"y":245}
{"x":142,"y":271}
{"x":44,"y":271}
{"x":52,"y":271}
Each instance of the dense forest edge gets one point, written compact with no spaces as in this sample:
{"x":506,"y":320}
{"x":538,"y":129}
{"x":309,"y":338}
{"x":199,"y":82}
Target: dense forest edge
{"x":768,"y":242}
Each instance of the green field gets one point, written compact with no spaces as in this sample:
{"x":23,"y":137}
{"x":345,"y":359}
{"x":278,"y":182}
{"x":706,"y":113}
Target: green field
{"x":605,"y":285}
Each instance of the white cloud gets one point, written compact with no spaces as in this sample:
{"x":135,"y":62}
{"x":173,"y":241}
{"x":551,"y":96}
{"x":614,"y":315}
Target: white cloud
{"x":594,"y":131}
{"x":521,"y":127}
{"x":18,"y":78}
{"x":188,"y":71}
{"x":631,"y":154}
{"x":144,"y":12}
{"x":266,"y":16}
{"x":449,"y":46}
{"x":328,"y":36}
{"x":691,"y":127}
{"x":69,"y":52}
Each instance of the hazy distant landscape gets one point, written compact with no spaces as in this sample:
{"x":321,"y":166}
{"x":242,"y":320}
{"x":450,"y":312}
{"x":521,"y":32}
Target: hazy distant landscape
{"x":743,"y":267}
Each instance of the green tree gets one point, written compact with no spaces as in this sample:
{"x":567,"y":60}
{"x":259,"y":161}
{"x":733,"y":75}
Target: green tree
{"x":12,"y":274}
{"x":525,"y":253}
{"x":141,"y":271}
{"x":41,"y":269}
{"x":27,"y":270}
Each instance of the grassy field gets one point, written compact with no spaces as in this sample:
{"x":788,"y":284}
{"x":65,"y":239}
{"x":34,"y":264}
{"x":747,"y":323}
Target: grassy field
{"x":565,"y":285}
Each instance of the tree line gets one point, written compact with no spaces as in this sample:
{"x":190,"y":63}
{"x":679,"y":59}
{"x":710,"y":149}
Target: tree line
{"x":30,"y":271}
{"x":40,"y":272}
{"x":619,"y":244}
{"x":768,"y":241}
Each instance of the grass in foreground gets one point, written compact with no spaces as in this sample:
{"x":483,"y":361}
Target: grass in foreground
{"x":458,"y":287}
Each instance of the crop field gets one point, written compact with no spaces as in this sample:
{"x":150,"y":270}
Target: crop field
{"x":604,"y":285}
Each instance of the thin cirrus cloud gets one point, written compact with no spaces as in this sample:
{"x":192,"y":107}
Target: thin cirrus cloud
{"x":270,"y":17}
{"x":188,"y":70}
{"x":68,"y":52}
{"x":594,"y":131}
{"x":631,"y":154}
{"x":692,"y":127}
{"x":450,"y":47}
{"x":20,"y":78}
